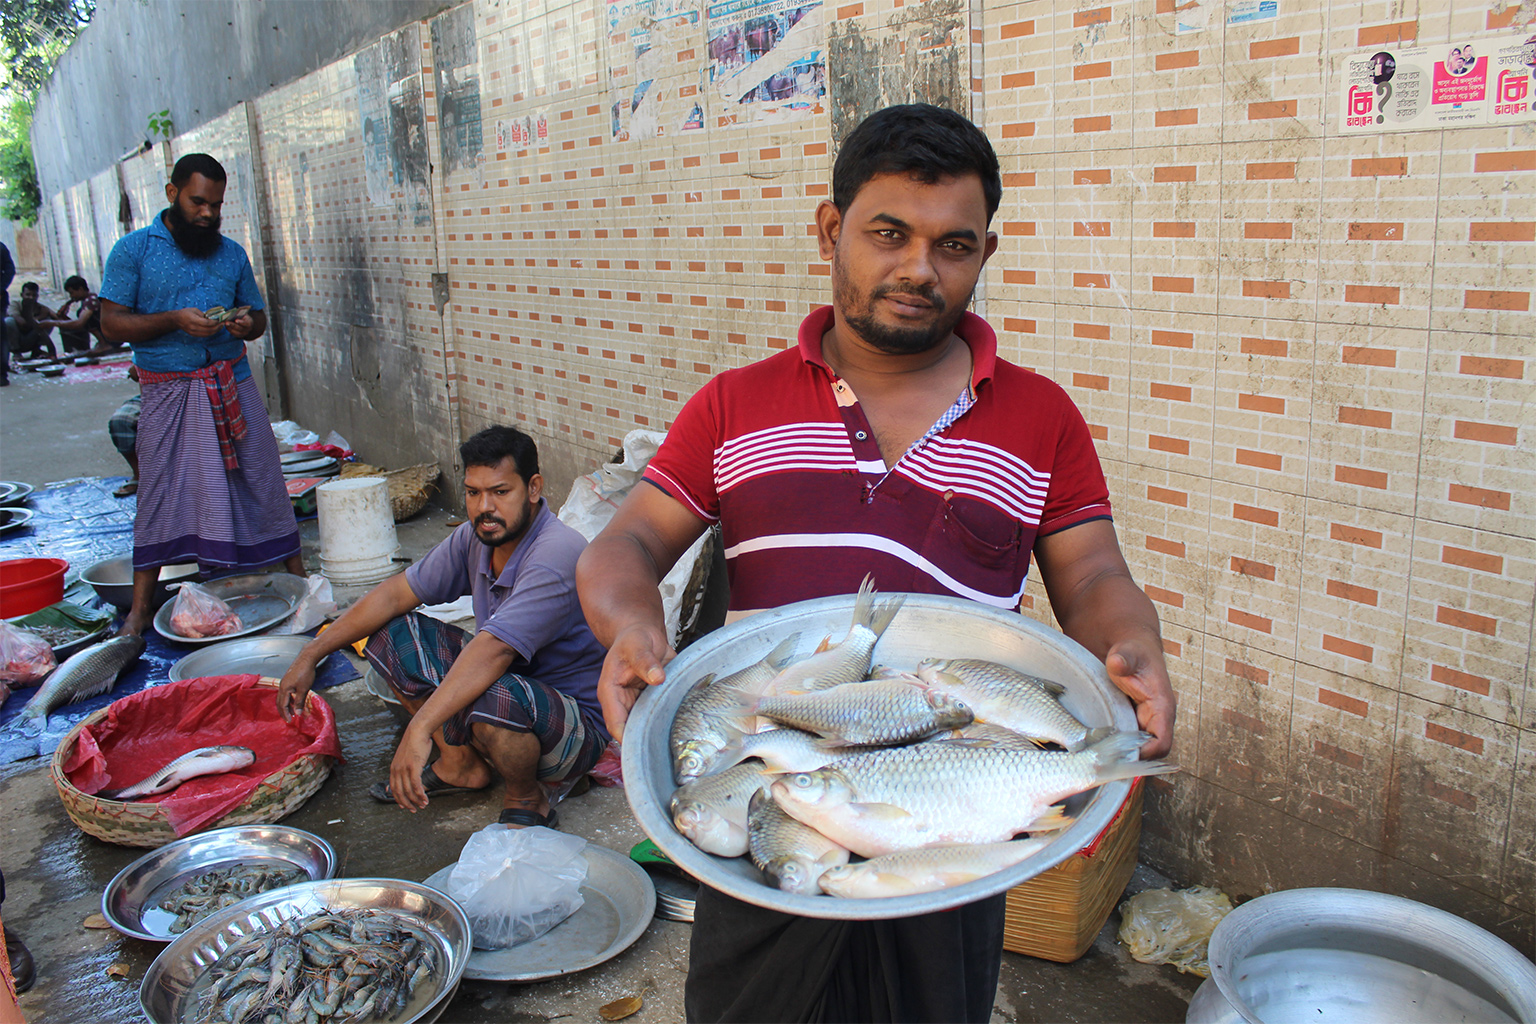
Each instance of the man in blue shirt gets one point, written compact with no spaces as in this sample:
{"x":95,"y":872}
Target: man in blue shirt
{"x":210,"y":482}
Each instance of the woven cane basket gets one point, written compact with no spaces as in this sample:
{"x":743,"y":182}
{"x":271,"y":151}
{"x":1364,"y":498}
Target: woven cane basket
{"x":134,"y":823}
{"x":409,"y":488}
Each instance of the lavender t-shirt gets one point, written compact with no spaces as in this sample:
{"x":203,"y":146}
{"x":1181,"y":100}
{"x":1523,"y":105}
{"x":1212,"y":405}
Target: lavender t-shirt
{"x":531,"y":607}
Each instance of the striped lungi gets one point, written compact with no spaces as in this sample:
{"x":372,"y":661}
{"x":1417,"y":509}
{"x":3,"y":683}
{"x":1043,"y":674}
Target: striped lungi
{"x":193,"y":509}
{"x":414,"y":653}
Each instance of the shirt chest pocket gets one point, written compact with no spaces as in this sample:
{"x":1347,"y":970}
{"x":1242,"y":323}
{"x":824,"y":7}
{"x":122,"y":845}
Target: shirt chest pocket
{"x":976,"y":532}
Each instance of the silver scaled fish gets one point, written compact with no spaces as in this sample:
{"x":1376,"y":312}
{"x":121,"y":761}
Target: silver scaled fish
{"x":926,"y":870}
{"x":710,"y":715}
{"x":848,"y":661}
{"x":792,"y":854}
{"x":203,"y":761}
{"x":934,"y":793}
{"x":880,"y":711}
{"x":84,"y":674}
{"x":1003,"y":696}
{"x":712,"y":812}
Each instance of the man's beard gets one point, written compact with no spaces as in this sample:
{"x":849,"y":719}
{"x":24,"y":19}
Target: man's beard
{"x":193,"y":239}
{"x":508,"y":534}
{"x":895,"y":340}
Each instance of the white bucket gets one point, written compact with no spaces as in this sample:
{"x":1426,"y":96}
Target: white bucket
{"x":357,"y":530}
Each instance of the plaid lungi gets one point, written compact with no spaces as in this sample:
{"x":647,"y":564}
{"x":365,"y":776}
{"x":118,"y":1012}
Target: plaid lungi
{"x":414,"y":653}
{"x":123,"y":425}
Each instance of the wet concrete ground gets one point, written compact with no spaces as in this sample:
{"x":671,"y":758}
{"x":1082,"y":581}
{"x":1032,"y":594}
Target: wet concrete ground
{"x":55,"y":873}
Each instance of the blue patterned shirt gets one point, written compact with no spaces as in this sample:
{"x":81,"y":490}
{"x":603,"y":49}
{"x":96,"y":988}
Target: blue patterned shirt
{"x":148,"y":273}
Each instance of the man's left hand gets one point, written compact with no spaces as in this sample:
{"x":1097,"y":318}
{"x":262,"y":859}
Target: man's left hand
{"x":405,"y":770}
{"x":1143,"y":677}
{"x":240,"y":327}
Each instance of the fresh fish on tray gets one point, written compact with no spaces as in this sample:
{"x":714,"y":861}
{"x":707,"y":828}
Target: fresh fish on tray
{"x":84,"y":674}
{"x":709,"y":718}
{"x":712,"y":811}
{"x":1002,"y":696}
{"x":925,"y":870}
{"x":203,"y":761}
{"x":880,"y":711}
{"x":212,"y":891}
{"x":847,"y":662}
{"x":794,"y":855}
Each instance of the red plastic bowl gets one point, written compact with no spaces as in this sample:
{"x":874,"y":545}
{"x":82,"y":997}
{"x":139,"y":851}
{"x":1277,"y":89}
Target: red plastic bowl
{"x":29,"y":584}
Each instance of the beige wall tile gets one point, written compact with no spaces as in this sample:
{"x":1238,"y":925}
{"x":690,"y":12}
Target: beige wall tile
{"x":1270,"y":193}
{"x":1092,"y":364}
{"x":1177,"y":99}
{"x":1342,"y":736}
{"x":1176,"y":208}
{"x":1163,"y":521}
{"x":1245,"y":719}
{"x":1255,"y":567}
{"x":1173,"y":397}
{"x":1263,"y":408}
{"x":1274,"y":74}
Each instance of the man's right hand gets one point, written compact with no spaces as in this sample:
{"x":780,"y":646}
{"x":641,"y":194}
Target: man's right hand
{"x":196,"y":323}
{"x":293,"y":689}
{"x":636,"y":660}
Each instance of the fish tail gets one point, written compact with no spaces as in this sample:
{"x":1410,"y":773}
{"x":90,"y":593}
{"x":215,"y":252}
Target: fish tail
{"x":864,"y":602}
{"x":782,"y":654}
{"x":882,"y":616}
{"x":1093,"y":737}
{"x":1114,"y":757}
{"x":732,"y":753}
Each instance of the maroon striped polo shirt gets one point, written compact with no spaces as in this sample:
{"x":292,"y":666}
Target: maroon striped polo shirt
{"x":781,"y":455}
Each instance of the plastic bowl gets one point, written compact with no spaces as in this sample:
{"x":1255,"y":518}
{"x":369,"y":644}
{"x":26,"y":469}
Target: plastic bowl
{"x":928,"y":626}
{"x":30,"y":584}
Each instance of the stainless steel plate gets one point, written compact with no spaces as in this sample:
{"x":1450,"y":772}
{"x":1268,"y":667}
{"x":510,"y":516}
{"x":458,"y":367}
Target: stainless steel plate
{"x":14,"y":518}
{"x":928,"y":626}
{"x":14,"y":492}
{"x":316,"y":463}
{"x":261,"y":601}
{"x":175,"y":972}
{"x":619,"y":903}
{"x":130,"y":903}
{"x":263,"y":655}
{"x":288,"y":458}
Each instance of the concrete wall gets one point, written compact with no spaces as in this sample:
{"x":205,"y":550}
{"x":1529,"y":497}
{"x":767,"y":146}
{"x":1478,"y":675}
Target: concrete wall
{"x":1304,"y":354}
{"x":197,"y":59}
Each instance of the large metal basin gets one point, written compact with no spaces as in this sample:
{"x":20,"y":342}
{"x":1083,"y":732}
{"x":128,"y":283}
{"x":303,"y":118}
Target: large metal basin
{"x":261,"y":600}
{"x":928,"y":626}
{"x":112,"y":579}
{"x":1348,"y":956}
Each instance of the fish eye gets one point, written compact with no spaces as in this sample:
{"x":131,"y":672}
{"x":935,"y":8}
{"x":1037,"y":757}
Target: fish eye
{"x":801,"y":780}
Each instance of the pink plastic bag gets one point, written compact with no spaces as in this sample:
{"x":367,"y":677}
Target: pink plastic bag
{"x":199,"y":613}
{"x":25,"y":658}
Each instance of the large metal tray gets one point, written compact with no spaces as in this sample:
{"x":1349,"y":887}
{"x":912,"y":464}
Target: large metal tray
{"x":261,"y":601}
{"x":130,"y":902}
{"x":261,"y":655}
{"x":14,"y":518}
{"x":619,"y":902}
{"x":928,"y":626}
{"x":14,"y":492}
{"x":163,"y":992}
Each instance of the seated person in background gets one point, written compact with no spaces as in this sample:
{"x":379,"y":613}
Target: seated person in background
{"x":76,"y":330}
{"x":24,"y":330}
{"x":520,"y":696}
{"x":123,"y":428}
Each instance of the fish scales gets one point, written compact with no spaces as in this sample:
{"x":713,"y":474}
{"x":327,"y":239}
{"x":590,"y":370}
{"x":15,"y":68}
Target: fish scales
{"x":925,"y":870}
{"x":933,"y":793}
{"x":881,"y":711}
{"x":83,"y":674}
{"x":710,"y":715}
{"x":712,"y":811}
{"x":1005,"y":697}
{"x":793,"y":854}
{"x":849,"y":660}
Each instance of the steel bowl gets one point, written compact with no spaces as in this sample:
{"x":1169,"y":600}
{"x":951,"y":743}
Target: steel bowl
{"x":14,"y":492}
{"x":163,"y":994}
{"x":261,"y":600}
{"x":259,"y":655}
{"x":14,"y":518}
{"x":618,"y":904}
{"x":928,"y":626}
{"x":1348,"y":956}
{"x":130,"y":903}
{"x":112,"y":579}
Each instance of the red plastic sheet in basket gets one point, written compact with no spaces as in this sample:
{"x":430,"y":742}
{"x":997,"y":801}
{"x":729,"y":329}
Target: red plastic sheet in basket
{"x":142,"y":732}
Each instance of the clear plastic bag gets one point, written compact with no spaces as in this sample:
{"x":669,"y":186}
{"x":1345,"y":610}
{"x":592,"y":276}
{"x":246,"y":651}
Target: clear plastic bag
{"x":518,"y":883}
{"x":1167,"y":926}
{"x":199,"y":613}
{"x":25,"y":658}
{"x":317,"y":605}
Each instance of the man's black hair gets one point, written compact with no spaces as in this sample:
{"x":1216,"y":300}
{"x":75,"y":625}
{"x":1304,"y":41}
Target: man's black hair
{"x":919,"y":139}
{"x":75,"y":281}
{"x":493,"y":444}
{"x":197,"y":163}
{"x":30,"y":284}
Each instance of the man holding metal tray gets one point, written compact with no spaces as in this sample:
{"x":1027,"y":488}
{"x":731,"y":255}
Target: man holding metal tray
{"x":891,"y":441}
{"x":520,"y":696}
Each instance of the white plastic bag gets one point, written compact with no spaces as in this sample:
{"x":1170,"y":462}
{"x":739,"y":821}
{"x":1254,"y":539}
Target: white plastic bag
{"x":198,"y":613}
{"x":25,"y":658}
{"x":1164,"y":926}
{"x":317,"y":605}
{"x":518,"y":883}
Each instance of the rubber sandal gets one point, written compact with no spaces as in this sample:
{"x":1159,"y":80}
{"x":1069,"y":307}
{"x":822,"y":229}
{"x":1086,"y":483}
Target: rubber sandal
{"x":128,"y":489}
{"x":524,"y":818}
{"x":434,"y":786}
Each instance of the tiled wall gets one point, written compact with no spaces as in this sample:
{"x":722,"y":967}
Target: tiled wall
{"x":1304,"y":356}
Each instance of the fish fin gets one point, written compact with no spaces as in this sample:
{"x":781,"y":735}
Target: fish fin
{"x":783,"y":653}
{"x":1093,"y":737}
{"x":824,"y":646}
{"x":760,"y":798}
{"x":1054,"y":818}
{"x":1053,"y":688}
{"x":708,"y":678}
{"x":880,"y":812}
{"x":94,"y":691}
{"x":882,"y":616}
{"x":731,"y":754}
{"x":1115,"y":757}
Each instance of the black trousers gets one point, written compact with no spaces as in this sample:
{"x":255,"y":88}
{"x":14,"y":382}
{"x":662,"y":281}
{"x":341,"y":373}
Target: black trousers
{"x":750,"y":964}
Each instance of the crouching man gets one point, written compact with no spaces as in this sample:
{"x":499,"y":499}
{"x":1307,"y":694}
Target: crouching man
{"x":520,"y":696}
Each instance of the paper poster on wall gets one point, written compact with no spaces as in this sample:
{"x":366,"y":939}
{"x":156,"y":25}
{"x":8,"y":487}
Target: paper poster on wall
{"x":456,"y":73}
{"x":1485,"y":82}
{"x":1246,"y":12}
{"x":373,"y":117}
{"x":767,"y":59}
{"x":653,"y":77}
